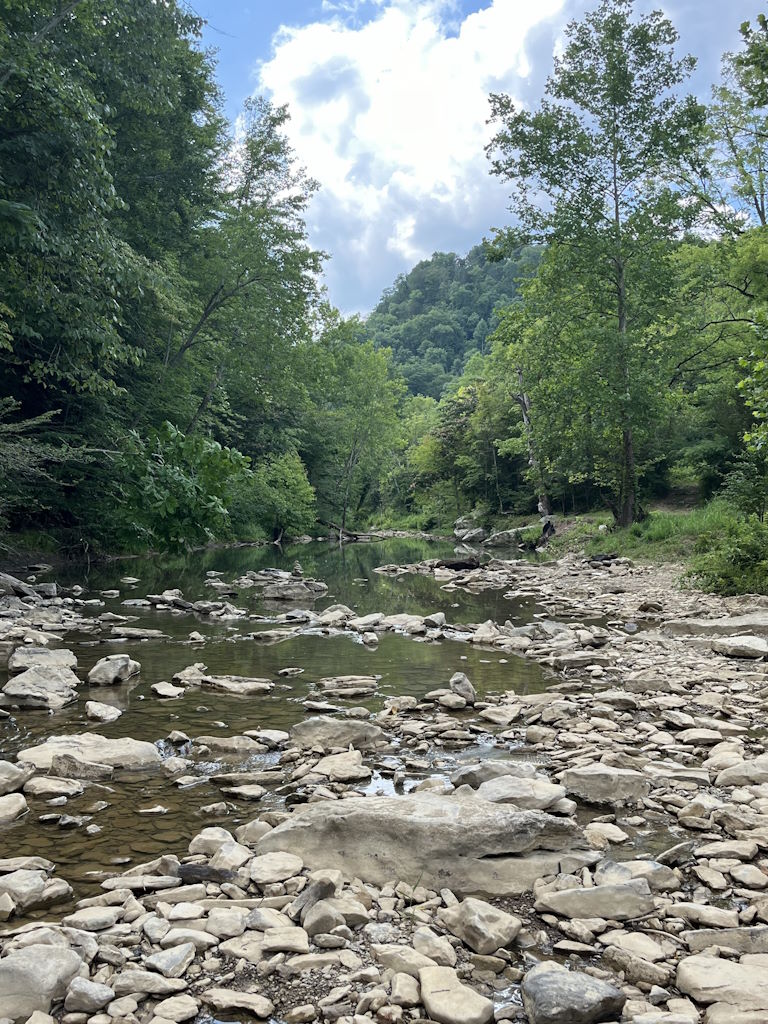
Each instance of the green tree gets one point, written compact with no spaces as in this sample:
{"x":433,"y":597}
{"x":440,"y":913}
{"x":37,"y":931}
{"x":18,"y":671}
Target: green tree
{"x":590,"y":169}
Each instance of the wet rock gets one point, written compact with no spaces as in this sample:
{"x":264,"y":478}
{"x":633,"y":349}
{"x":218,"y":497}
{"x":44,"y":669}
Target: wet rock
{"x":52,"y":687}
{"x":119,"y":753}
{"x":447,"y":1000}
{"x":554,"y":995}
{"x":480,"y":926}
{"x":114,"y":669}
{"x":33,"y":977}
{"x":472,"y":846}
{"x":101,"y":712}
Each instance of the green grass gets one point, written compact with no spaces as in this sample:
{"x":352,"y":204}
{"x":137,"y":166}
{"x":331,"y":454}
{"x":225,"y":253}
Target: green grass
{"x":664,"y":536}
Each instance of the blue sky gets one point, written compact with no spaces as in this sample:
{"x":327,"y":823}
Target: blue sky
{"x":389,"y":103}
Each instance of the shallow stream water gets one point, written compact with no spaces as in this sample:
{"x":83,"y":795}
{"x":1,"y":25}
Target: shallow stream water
{"x":407,"y":666}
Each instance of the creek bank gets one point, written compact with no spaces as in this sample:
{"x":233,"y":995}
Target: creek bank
{"x":457,"y":897}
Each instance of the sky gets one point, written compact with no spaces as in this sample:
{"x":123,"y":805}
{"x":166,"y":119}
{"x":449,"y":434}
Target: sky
{"x":389,"y":108}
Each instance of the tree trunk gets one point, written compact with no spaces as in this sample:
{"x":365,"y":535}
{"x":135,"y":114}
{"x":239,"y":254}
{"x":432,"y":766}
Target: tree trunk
{"x":628,"y":495}
{"x":628,"y":476}
{"x":544,"y":504}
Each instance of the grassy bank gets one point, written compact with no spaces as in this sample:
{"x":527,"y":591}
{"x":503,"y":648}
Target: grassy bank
{"x":720,"y":550}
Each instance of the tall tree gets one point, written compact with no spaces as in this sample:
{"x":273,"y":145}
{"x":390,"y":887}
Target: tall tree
{"x":590,"y":171}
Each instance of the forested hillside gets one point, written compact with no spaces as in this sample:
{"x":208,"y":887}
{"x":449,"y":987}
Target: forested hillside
{"x":171,"y":371}
{"x":441,"y":312}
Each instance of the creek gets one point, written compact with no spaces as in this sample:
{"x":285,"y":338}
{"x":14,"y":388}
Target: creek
{"x":130,"y":832}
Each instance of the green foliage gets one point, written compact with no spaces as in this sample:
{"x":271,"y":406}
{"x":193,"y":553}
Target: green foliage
{"x":26,"y":459}
{"x":172,"y":490}
{"x":734,"y":561}
{"x":276,"y":499}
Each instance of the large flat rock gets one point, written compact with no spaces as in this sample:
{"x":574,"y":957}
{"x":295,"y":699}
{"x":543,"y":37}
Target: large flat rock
{"x":90,"y":746}
{"x":322,"y":731}
{"x":471,"y":846}
{"x":755,"y":623}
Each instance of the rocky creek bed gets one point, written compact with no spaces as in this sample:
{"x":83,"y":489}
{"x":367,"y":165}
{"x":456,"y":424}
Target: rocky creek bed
{"x":564,"y":821}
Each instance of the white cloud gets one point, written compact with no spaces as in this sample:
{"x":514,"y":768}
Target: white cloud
{"x":390,"y":117}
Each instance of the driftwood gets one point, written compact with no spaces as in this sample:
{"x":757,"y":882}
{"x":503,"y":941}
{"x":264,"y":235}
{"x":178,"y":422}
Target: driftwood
{"x":345,"y":531}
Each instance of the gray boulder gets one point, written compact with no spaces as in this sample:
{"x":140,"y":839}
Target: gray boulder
{"x":33,"y":977}
{"x":604,"y":784}
{"x":322,"y":731}
{"x":90,"y":746}
{"x":554,"y":995}
{"x":460,"y":684}
{"x":471,"y":846}
{"x":52,"y":687}
{"x":113,"y":669}
{"x":41,"y":657}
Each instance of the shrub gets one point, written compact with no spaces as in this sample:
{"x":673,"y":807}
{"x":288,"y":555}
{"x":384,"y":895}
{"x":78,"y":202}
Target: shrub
{"x":172,"y":489}
{"x":733,"y":562}
{"x":276,"y":499}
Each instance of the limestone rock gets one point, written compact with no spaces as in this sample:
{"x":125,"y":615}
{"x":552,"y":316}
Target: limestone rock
{"x":710,"y":979}
{"x":331,"y":732}
{"x":229,"y":999}
{"x":52,"y":688}
{"x":90,"y":746}
{"x":12,"y":806}
{"x":448,"y":1001}
{"x":113,"y":669}
{"x":480,"y":926}
{"x":471,"y":846}
{"x":33,"y":977}
{"x":605,"y":784}
{"x":84,"y":996}
{"x":613,"y":902}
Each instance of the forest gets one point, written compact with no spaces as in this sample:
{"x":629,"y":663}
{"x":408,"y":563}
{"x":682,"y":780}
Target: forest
{"x":172,"y":372}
